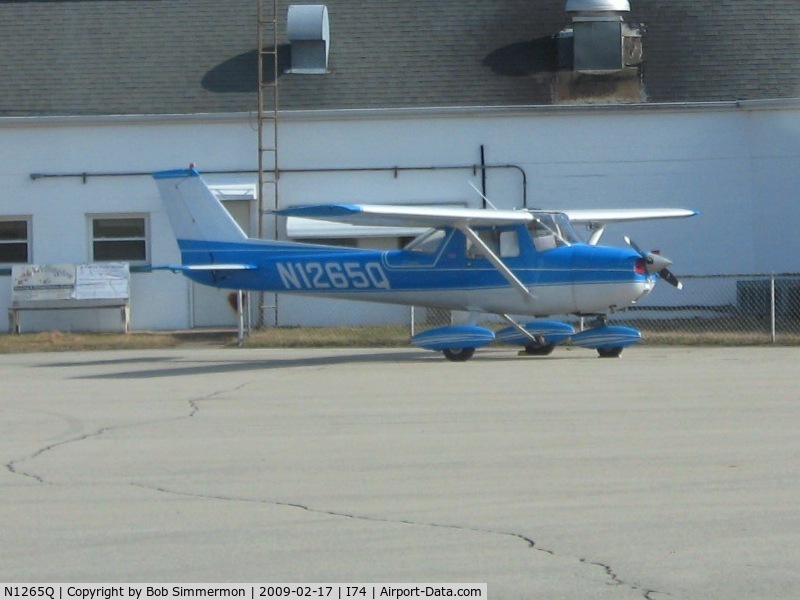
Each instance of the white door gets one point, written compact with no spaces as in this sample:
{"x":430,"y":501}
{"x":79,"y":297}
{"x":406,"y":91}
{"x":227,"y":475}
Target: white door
{"x":215,"y":307}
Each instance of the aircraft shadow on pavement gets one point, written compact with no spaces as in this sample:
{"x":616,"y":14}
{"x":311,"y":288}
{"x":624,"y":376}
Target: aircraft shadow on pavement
{"x":179,"y":366}
{"x":110,"y":361}
{"x":187,"y":366}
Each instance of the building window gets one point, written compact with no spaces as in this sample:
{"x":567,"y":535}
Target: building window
{"x":15,"y":240}
{"x":123,"y":238}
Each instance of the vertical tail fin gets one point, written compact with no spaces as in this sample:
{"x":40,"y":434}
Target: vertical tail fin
{"x":194,"y":211}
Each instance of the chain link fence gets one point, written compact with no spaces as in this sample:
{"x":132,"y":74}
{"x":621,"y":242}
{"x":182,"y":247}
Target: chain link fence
{"x":746,"y":309}
{"x":735,"y":309}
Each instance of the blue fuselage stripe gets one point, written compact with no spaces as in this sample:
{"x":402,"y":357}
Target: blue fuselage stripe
{"x":291,"y":267}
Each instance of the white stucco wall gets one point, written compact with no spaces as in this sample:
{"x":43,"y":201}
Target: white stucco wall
{"x":739,"y":164}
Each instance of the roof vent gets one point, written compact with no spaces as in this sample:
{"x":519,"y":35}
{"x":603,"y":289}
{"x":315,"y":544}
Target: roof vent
{"x":598,"y":33}
{"x":598,"y":5}
{"x":309,"y":35}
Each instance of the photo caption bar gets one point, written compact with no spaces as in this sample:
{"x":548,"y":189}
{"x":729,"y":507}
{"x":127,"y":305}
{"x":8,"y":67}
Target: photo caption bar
{"x":249,"y":591}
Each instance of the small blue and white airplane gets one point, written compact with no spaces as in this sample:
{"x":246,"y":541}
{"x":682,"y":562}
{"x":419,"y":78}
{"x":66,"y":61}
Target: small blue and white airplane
{"x":503,"y":262}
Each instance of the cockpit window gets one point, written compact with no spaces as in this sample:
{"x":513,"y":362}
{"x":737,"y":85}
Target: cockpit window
{"x":427,"y":243}
{"x":503,"y":242}
{"x":551,"y":230}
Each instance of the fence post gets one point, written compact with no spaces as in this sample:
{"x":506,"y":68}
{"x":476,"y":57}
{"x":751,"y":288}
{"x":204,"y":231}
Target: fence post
{"x":772,"y":306}
{"x":239,"y":318}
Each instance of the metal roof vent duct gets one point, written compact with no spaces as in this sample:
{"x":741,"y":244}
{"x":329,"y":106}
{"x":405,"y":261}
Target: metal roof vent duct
{"x":598,"y":5}
{"x":598,"y":32}
{"x":309,"y":36}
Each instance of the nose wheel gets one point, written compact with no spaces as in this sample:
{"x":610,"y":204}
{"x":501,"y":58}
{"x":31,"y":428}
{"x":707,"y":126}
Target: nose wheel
{"x":608,"y":340}
{"x":608,"y":352}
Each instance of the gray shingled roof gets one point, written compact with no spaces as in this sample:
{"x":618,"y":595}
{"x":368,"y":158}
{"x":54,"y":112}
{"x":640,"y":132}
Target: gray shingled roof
{"x":79,"y":57}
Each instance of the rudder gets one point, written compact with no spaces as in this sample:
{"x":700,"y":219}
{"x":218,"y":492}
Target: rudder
{"x":194,"y":211}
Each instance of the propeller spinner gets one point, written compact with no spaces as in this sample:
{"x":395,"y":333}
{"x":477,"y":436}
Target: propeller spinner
{"x":655,"y":263}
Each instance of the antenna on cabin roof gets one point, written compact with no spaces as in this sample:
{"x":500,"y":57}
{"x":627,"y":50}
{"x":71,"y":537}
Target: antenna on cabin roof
{"x":480,"y":193}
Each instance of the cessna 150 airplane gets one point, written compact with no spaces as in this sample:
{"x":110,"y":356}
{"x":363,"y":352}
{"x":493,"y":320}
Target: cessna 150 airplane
{"x":504,"y":262}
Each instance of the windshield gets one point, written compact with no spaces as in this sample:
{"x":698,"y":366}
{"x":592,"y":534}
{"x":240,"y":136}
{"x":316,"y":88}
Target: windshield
{"x":551,"y":230}
{"x":427,"y":242}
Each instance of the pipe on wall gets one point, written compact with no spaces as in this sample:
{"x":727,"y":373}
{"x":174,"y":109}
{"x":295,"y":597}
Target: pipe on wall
{"x":396,"y":170}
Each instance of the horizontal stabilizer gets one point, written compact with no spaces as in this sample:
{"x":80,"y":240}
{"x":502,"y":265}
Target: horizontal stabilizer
{"x":209,"y":267}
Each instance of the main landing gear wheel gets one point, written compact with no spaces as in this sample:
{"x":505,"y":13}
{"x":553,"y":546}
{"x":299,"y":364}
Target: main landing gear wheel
{"x":458,"y":354}
{"x":609,"y":352}
{"x":545,"y":350}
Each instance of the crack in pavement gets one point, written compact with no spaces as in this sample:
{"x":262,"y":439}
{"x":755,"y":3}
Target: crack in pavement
{"x":614,"y":578}
{"x":194,"y":408}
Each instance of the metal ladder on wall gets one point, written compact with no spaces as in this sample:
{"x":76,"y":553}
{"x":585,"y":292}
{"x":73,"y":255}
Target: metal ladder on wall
{"x":267,"y":121}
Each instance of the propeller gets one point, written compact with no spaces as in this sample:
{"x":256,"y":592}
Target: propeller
{"x":655,"y":263}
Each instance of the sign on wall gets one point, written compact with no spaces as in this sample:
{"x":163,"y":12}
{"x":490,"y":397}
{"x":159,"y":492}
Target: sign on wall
{"x":70,"y":282}
{"x":106,"y":280}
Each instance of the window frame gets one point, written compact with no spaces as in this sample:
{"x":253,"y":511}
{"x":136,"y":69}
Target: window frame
{"x":28,"y":241}
{"x":145,"y":237}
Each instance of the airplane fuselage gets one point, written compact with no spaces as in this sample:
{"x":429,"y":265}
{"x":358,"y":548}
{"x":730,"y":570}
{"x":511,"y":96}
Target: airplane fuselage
{"x":568,"y":278}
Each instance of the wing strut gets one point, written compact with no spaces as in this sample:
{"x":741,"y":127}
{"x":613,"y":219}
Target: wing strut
{"x":496,"y":261}
{"x":597,"y":232}
{"x":537,"y":338}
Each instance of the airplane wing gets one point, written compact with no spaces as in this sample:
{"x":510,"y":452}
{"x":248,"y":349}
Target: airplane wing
{"x":409,"y":216}
{"x":439,"y":216}
{"x":597,"y":219}
{"x":617,"y":215}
